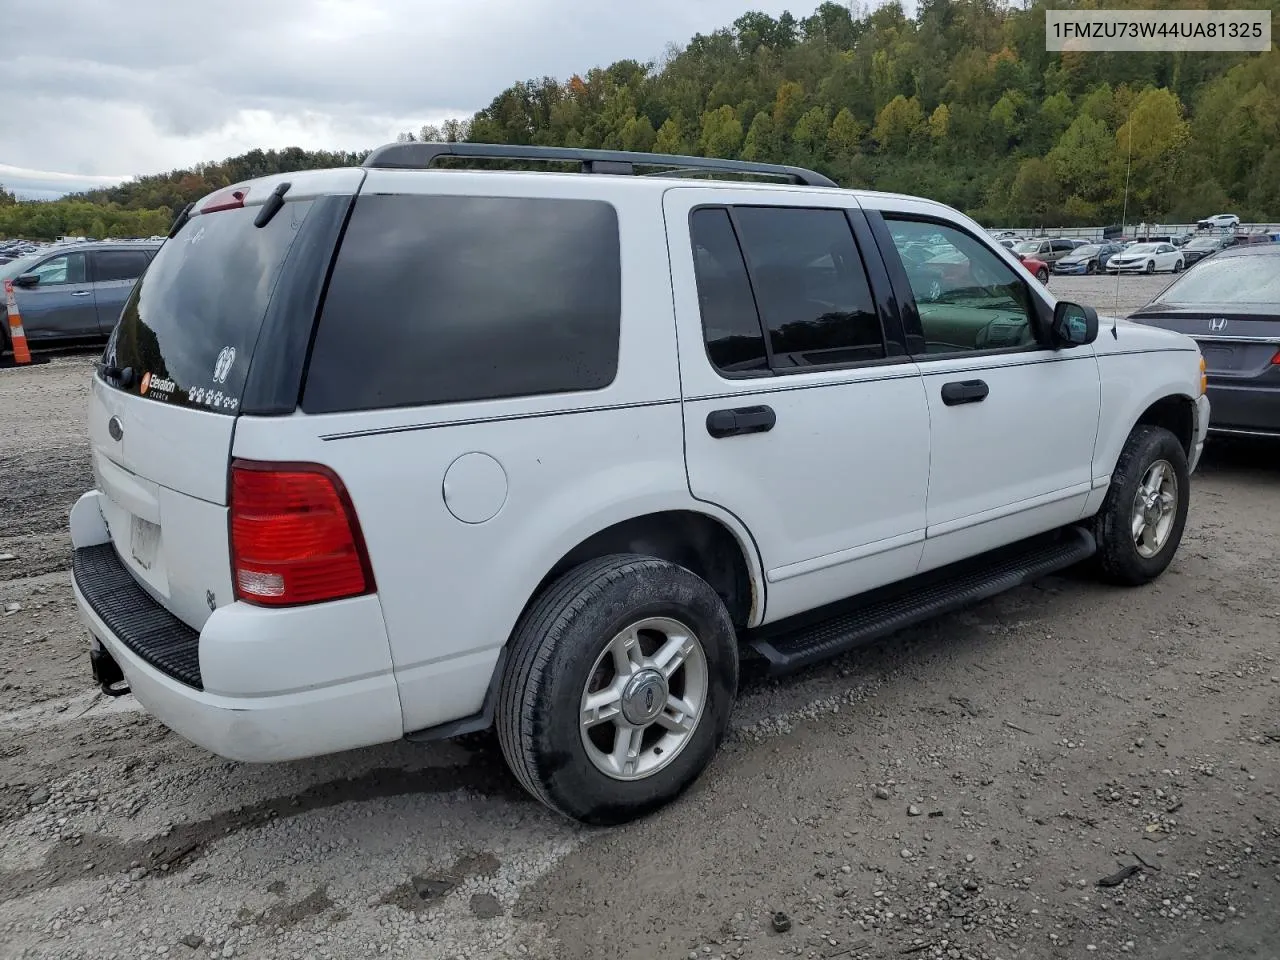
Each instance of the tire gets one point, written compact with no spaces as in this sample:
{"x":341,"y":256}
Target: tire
{"x":559,"y":651}
{"x":1042,"y":275}
{"x":1151,"y":266}
{"x":1177,"y":266}
{"x":1119,"y":559}
{"x":1092,"y":268}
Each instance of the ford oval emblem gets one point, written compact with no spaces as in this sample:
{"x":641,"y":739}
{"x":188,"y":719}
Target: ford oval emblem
{"x":115,"y":428}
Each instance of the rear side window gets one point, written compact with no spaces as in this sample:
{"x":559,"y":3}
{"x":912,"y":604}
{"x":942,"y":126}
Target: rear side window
{"x":810,"y":286}
{"x":730,"y":323}
{"x":118,"y":264}
{"x":191,"y":323}
{"x":67,"y":268}
{"x":440,"y":299}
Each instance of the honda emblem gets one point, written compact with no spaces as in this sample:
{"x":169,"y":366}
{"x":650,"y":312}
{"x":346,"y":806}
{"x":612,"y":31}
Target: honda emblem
{"x":1217,"y":324}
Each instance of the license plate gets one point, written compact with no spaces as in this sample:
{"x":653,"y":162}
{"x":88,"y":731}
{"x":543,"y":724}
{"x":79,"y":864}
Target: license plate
{"x":1219,"y":358}
{"x":145,"y":539}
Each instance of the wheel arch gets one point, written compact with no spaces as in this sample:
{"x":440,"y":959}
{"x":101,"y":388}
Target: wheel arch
{"x":1174,"y":412}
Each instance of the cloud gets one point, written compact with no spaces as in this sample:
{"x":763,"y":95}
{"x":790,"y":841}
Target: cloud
{"x":128,"y":87}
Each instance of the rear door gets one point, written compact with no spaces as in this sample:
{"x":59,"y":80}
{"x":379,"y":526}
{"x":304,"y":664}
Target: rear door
{"x":803,"y":416}
{"x":188,"y":337}
{"x":114,"y":273}
{"x":61,"y":305}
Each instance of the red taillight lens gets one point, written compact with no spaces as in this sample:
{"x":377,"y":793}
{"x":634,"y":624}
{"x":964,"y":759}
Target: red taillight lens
{"x":1276,"y":359}
{"x":227,"y":200}
{"x":295,"y":538}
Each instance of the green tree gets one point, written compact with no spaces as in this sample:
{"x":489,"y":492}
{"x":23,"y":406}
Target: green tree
{"x":845,"y":137}
{"x":898,"y":124}
{"x":721,"y":133}
{"x":762,"y":142}
{"x":811,"y":130}
{"x":670,"y":138}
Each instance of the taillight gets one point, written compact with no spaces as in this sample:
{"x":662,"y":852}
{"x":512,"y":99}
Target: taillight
{"x":227,"y":200}
{"x":1204,"y":378}
{"x":1276,"y":359}
{"x":295,"y":538}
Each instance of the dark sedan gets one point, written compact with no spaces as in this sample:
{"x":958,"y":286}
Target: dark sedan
{"x":1089,"y":258}
{"x":1230,"y":303}
{"x":1198,"y":248}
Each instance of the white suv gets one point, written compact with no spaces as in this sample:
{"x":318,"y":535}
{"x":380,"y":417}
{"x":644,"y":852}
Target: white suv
{"x":409,"y":452}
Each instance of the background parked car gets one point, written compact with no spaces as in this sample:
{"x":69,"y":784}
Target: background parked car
{"x":1200,"y":247}
{"x":1219,"y":220}
{"x":74,"y":291}
{"x":1147,"y":258}
{"x":1089,"y":258}
{"x":1231,"y":304}
{"x":1047,"y":251}
{"x":1037,"y":266}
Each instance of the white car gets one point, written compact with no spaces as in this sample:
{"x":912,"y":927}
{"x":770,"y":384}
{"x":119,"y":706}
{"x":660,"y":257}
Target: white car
{"x":371,"y":465}
{"x":1147,"y":258}
{"x":1221,"y":221}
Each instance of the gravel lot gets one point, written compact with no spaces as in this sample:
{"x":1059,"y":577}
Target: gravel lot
{"x":956,"y":792}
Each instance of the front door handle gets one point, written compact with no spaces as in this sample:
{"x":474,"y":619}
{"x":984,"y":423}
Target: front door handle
{"x":740,"y":420}
{"x":81,"y":293}
{"x":964,"y":391}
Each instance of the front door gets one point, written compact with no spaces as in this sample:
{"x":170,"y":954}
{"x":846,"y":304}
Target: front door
{"x":61,"y":305}
{"x":1013,"y":422}
{"x":802,"y":414}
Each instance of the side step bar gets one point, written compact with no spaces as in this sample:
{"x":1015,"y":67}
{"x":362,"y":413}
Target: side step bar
{"x":800,"y":641}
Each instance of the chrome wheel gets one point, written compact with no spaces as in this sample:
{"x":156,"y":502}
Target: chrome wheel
{"x":935,"y":290}
{"x":644,"y":698}
{"x":1155,"y":507}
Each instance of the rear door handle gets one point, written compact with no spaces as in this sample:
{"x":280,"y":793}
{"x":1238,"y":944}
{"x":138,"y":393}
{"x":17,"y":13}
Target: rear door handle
{"x":81,"y":293}
{"x":964,"y":391}
{"x":740,"y":420}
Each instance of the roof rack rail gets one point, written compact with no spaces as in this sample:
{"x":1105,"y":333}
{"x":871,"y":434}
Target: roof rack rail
{"x":416,"y":155}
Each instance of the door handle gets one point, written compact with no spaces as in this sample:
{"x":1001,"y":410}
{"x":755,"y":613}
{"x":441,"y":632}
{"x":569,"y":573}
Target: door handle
{"x":81,"y":293}
{"x":964,"y":391}
{"x":740,"y":420}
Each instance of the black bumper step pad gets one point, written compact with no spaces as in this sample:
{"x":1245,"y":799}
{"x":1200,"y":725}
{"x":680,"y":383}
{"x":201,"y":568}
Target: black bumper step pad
{"x":807,"y":639}
{"x":141,"y":624}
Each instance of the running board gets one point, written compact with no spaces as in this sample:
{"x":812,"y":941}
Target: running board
{"x":800,"y":641}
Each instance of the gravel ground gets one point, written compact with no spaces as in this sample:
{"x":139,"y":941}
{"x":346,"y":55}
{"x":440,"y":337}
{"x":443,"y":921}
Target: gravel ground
{"x":956,"y":792}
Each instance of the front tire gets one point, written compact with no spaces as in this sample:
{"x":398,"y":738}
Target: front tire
{"x":1042,"y":275}
{"x":1092,"y":268}
{"x":1151,"y":266}
{"x":619,"y":687}
{"x":1142,"y":518}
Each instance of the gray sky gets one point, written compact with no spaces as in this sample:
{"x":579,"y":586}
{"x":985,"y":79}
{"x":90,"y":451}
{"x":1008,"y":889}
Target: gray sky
{"x":107,"y":89}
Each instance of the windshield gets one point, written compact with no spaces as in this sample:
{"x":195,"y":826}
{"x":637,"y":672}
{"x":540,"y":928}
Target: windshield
{"x":1228,"y":280}
{"x":18,"y":267}
{"x":1202,"y":243}
{"x":1088,"y":250}
{"x":191,"y":323}
{"x":1027,"y":246}
{"x":1142,"y":248}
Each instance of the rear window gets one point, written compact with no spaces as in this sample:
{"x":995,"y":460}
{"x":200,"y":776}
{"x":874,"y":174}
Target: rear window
{"x":440,"y":299}
{"x":190,"y":325}
{"x":111,"y":265}
{"x":1229,"y":280}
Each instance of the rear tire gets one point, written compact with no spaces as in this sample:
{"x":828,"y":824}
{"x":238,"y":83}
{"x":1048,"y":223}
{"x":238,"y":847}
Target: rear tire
{"x":1142,"y":518}
{"x":1177,"y":266}
{"x":587,"y":670}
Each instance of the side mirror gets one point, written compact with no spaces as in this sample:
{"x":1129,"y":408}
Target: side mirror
{"x":1073,"y":325}
{"x":27,"y":280}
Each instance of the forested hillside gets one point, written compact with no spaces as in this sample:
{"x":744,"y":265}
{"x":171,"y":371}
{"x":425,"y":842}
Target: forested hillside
{"x":961,"y":103}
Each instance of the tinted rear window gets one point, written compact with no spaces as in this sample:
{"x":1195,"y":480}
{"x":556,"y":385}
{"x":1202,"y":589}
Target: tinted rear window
{"x":118,"y":264}
{"x":191,"y":323}
{"x":438,"y":299}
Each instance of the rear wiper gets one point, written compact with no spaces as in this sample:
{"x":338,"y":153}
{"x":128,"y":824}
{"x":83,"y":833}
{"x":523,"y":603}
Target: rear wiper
{"x":180,"y":220}
{"x":272,"y":206}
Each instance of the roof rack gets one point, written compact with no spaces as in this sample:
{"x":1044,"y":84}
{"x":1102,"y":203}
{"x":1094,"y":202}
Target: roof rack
{"x":418,"y":156}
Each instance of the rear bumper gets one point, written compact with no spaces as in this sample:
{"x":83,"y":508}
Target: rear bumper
{"x":1244,"y":409}
{"x":270,"y":684}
